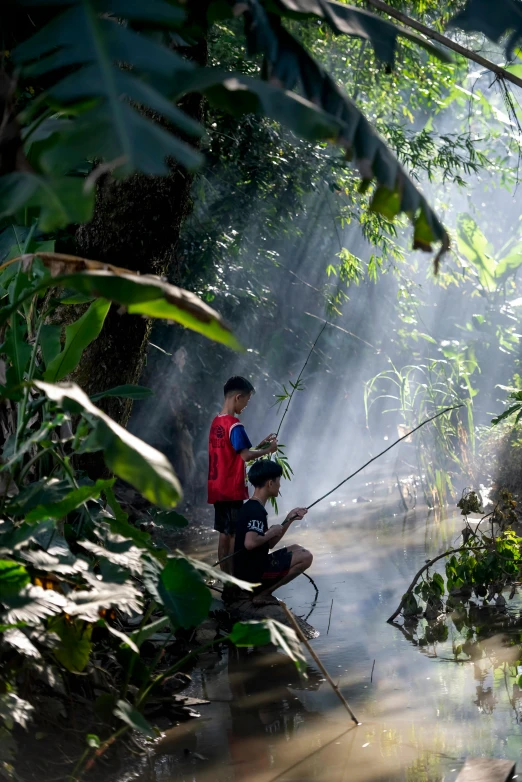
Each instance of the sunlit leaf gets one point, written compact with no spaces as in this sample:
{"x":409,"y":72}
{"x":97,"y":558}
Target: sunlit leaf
{"x":132,"y":717}
{"x":266,"y":632}
{"x":74,"y":649}
{"x":182,"y":592}
{"x":141,"y":635}
{"x":75,"y":498}
{"x":128,"y":391}
{"x":13,"y":577}
{"x":127,"y":456}
{"x":14,"y":710}
{"x":78,"y":336}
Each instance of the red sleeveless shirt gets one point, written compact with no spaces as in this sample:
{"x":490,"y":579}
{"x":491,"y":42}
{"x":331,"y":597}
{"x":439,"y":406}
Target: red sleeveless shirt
{"x":226,"y":468}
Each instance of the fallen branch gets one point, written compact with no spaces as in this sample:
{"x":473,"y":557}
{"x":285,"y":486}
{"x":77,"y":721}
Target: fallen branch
{"x":425,"y":567}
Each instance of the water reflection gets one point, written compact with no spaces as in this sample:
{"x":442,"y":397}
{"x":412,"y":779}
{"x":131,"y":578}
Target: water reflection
{"x":440,"y":691}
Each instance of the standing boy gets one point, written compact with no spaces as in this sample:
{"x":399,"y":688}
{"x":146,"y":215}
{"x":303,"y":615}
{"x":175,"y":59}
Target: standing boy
{"x":229,"y":449}
{"x":253,"y":561}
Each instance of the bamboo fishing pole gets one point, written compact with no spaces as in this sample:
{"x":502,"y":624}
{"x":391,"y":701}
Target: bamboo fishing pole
{"x":353,"y":474}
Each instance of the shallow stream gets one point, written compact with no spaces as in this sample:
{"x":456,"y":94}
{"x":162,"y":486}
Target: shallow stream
{"x":424,"y":705}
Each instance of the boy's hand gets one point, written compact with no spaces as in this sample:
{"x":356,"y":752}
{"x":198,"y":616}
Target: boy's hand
{"x":272,"y":447}
{"x":296,"y":513}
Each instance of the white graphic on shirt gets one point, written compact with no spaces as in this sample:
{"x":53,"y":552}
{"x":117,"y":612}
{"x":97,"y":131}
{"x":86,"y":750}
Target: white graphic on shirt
{"x":255,"y":525}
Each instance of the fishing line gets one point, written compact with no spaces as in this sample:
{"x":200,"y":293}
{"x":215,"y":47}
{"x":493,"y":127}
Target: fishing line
{"x":353,"y":474}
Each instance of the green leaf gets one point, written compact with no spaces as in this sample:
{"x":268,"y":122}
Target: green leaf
{"x":289,"y":64}
{"x":92,"y":741}
{"x":439,"y":582}
{"x":152,"y":297}
{"x":477,"y":16}
{"x":14,"y":710}
{"x":169,"y":519}
{"x":50,"y":342}
{"x":215,"y":573}
{"x":474,"y":246}
{"x":75,"y":498}
{"x":19,"y":641}
{"x":42,"y":492}
{"x":509,"y":263}
{"x":17,"y":350}
{"x":127,"y":456}
{"x":128,"y":391}
{"x":139,"y":636}
{"x":182,"y":592}
{"x":506,"y":414}
{"x":345,"y":19}
{"x":75,"y":646}
{"x":106,"y":89}
{"x":13,"y":577}
{"x":132,"y":717}
{"x":269,"y":632}
{"x":123,"y":637}
{"x":32,"y":604}
{"x":78,"y":336}
{"x":61,"y":200}
{"x":115,"y":506}
{"x":87,"y":604}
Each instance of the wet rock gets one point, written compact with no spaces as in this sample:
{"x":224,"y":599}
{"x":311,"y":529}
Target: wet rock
{"x":206,"y":632}
{"x":175,"y":683}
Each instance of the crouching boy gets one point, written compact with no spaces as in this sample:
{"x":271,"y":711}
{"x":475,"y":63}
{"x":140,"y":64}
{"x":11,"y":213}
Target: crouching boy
{"x":254,"y":541}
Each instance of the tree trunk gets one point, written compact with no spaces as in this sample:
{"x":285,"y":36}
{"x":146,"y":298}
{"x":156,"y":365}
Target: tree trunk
{"x":136,"y":224}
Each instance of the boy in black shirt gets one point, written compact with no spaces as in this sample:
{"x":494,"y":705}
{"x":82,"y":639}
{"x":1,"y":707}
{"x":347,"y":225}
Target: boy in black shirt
{"x":254,"y":538}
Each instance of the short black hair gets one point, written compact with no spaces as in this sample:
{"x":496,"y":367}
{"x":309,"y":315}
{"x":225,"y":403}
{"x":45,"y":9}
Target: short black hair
{"x":264,"y":470}
{"x":238,"y":385}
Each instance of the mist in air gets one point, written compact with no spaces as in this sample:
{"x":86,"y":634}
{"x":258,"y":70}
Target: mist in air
{"x":277,"y":302}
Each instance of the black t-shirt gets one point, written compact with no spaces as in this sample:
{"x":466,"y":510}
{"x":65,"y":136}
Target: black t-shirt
{"x":250,"y":565}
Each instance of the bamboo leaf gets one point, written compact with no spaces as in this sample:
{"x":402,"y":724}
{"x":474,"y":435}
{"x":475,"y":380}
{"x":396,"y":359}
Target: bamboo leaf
{"x":78,"y":336}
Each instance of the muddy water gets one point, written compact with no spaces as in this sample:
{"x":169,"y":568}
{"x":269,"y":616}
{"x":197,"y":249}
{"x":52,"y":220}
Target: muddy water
{"x":423,"y":708}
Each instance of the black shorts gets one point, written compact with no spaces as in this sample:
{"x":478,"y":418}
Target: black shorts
{"x":277,"y":566}
{"x":226,"y":516}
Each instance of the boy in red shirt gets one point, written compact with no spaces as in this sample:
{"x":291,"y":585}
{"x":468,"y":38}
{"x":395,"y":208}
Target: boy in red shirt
{"x":229,"y":449}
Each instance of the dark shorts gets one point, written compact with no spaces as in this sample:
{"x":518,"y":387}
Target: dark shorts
{"x":278,"y":565}
{"x":226,"y":516}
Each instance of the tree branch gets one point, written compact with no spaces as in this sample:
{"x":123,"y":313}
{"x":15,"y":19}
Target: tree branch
{"x":435,"y":36}
{"x":425,"y":567}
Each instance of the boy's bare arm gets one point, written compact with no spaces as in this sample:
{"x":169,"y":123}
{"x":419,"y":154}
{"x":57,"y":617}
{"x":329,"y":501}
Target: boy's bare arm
{"x":249,"y":454}
{"x":272,"y":536}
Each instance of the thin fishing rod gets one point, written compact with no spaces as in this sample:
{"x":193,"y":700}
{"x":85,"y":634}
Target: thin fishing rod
{"x":288,"y":520}
{"x":427,"y":421}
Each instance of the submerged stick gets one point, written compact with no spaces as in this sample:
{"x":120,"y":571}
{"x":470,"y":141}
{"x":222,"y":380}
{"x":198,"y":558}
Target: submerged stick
{"x":330,"y":617}
{"x":427,"y":421}
{"x":318,"y":662}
